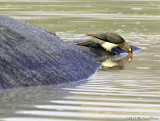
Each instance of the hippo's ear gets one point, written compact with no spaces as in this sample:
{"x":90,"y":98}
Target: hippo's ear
{"x":52,"y":33}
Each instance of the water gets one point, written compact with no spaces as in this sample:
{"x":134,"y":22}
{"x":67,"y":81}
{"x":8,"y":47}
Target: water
{"x":130,"y":90}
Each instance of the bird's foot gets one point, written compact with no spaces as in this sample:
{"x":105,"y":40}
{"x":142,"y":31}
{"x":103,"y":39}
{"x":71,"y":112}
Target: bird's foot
{"x":114,"y":53}
{"x":111,"y":52}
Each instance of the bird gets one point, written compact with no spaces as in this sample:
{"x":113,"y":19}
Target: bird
{"x":108,"y":40}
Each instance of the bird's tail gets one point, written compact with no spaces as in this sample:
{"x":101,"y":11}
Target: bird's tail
{"x":85,"y":43}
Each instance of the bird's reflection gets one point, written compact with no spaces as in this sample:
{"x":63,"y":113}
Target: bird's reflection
{"x":114,"y":62}
{"x":108,"y":60}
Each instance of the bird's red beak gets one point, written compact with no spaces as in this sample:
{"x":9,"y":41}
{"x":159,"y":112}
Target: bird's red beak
{"x":130,"y":53}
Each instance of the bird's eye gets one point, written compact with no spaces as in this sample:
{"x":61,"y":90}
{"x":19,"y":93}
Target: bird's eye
{"x":130,"y":49}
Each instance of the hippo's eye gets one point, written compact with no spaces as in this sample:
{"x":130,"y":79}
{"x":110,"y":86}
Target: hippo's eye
{"x":130,"y":49}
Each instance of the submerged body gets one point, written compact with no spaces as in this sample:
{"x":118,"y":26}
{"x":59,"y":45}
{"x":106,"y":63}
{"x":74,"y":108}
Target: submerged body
{"x":108,"y":41}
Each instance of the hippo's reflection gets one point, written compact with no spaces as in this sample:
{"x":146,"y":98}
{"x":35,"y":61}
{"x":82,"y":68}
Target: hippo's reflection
{"x":114,"y":62}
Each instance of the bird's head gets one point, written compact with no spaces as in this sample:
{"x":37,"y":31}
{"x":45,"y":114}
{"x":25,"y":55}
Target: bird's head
{"x":126,"y":47}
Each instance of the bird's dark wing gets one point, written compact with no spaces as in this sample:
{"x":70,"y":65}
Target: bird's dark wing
{"x":108,"y":37}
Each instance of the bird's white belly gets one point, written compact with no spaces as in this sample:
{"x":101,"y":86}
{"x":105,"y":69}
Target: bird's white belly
{"x":108,"y":46}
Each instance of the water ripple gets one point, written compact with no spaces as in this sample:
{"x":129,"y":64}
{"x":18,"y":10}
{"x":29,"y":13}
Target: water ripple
{"x":130,"y":93}
{"x":81,"y":114}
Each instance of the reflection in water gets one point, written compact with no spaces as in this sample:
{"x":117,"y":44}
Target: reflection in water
{"x":25,"y":98}
{"x":114,"y":63}
{"x":119,"y":95}
{"x":129,"y":92}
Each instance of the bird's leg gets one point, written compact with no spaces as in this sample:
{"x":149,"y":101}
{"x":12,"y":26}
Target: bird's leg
{"x":114,"y":53}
